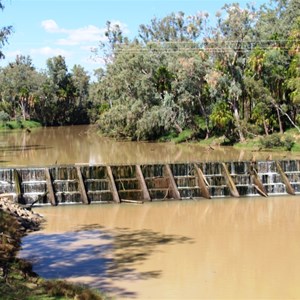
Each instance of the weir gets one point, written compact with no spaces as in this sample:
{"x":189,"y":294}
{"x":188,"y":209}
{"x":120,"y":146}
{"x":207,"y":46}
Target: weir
{"x":74,"y":184}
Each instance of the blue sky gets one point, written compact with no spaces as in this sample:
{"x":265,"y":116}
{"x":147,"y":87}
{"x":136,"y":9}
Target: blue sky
{"x":44,"y":28}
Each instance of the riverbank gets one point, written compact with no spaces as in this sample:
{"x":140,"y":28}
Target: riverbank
{"x":288,"y":141}
{"x":11,"y":125}
{"x":18,"y":281}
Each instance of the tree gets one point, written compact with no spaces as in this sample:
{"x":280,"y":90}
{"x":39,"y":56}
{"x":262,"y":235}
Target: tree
{"x":222,"y":118}
{"x":5,"y":32}
{"x":80,"y":80}
{"x":277,"y":27}
{"x":176,"y":27}
{"x":19,"y":86}
{"x":229,"y":45}
{"x":238,"y":76}
{"x":293,"y":75}
{"x":114,"y":38}
{"x":57,"y":101}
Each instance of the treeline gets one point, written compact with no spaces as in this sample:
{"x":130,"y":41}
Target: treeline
{"x":239,"y":77}
{"x":52,"y":97}
{"x":236,"y":75}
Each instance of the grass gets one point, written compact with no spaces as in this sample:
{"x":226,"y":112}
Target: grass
{"x":249,"y":144}
{"x":35,"y":288}
{"x":19,"y":125}
{"x":183,"y":136}
{"x":214,"y":140}
{"x":254,"y":144}
{"x":296,"y":147}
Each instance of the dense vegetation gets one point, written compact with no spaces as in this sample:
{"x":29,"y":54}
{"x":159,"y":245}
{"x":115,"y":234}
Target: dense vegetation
{"x":237,"y":78}
{"x":236,"y":75}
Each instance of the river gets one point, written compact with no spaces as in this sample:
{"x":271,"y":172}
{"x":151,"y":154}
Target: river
{"x":82,"y":144}
{"x":246,"y":248}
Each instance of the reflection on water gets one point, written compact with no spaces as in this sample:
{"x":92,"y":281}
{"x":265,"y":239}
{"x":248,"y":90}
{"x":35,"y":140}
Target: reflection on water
{"x":209,"y":249}
{"x":82,"y":144}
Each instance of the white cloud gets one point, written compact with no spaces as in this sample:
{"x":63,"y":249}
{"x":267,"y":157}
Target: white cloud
{"x":48,"y":51}
{"x":50,"y":26}
{"x":82,"y":35}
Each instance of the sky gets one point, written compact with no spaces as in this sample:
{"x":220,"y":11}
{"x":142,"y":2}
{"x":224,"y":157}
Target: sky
{"x":71,"y":28}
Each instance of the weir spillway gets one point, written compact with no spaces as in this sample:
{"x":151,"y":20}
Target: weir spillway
{"x":74,"y":184}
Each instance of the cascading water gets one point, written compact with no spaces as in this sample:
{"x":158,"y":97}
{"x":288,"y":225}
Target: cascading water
{"x":270,"y":178}
{"x":292,"y":171}
{"x":186,"y":180}
{"x":216,"y":181}
{"x":70,"y":184}
{"x":7,"y":184}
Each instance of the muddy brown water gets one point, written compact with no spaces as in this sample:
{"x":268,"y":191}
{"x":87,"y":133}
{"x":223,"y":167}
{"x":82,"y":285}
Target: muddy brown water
{"x":208,"y":249}
{"x":247,"y":248}
{"x":82,"y":144}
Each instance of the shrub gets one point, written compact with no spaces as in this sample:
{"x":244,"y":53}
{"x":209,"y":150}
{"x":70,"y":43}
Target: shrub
{"x":61,"y":288}
{"x":271,"y":141}
{"x":278,"y":141}
{"x":4,"y":117}
{"x":288,"y":143}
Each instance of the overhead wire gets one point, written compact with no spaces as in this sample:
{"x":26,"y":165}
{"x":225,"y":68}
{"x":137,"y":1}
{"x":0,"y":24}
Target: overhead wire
{"x":243,"y":46}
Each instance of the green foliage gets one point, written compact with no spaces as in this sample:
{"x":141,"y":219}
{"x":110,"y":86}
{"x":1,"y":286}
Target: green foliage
{"x":288,"y":142}
{"x":53,"y":98}
{"x":183,"y":136}
{"x":238,"y":76}
{"x":4,"y":117}
{"x":278,"y":141}
{"x":296,"y":147}
{"x":221,"y":115}
{"x":5,"y":32}
{"x":249,"y":144}
{"x":174,"y":27}
{"x":59,"y":288}
{"x":271,"y":141}
{"x":19,"y":125}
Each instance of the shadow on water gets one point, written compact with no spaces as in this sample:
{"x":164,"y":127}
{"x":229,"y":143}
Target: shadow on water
{"x":103,"y":256}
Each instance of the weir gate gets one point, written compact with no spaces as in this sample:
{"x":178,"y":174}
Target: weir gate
{"x":71,"y":184}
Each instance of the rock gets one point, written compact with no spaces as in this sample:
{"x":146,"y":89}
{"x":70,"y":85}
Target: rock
{"x":28,"y":219}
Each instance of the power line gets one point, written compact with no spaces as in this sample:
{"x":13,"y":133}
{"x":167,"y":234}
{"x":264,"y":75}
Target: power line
{"x":204,"y":47}
{"x":208,"y":50}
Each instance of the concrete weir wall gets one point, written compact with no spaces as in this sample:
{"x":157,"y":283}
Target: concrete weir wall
{"x":71,"y":184}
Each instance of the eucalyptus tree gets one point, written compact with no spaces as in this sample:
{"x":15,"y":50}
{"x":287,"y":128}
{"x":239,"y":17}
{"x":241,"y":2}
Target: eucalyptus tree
{"x":128,"y":90}
{"x":262,"y":118}
{"x":191,"y":91}
{"x":276,"y":19}
{"x":114,"y":37}
{"x":275,"y":60}
{"x":81,"y":81}
{"x":176,"y":27}
{"x":293,"y":75}
{"x":19,"y":83}
{"x":144,"y":85}
{"x":5,"y":32}
{"x":229,"y":46}
{"x":59,"y":98}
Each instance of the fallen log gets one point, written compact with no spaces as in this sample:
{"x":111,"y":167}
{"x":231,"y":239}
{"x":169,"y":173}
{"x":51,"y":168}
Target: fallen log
{"x":132,"y":201}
